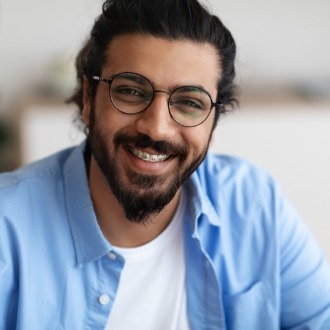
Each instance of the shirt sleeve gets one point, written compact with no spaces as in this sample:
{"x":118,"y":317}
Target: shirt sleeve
{"x":305,"y":275}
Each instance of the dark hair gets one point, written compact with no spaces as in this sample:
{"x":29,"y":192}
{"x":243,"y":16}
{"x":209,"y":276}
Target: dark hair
{"x":171,"y":19}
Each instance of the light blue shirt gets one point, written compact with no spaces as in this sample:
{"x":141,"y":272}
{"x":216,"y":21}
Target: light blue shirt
{"x":250,"y":261}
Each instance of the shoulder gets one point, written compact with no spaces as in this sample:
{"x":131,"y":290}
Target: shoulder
{"x":228,"y":167}
{"x":32,"y":201}
{"x":249,"y":202}
{"x":226,"y":176}
{"x":48,"y":167}
{"x":31,"y":181}
{"x":240,"y":197}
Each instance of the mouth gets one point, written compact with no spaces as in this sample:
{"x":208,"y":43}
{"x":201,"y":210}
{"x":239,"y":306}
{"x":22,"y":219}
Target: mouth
{"x":146,"y":156}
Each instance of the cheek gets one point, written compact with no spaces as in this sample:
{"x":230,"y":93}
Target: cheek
{"x":204,"y":132}
{"x":102,"y":104}
{"x":197,"y":141}
{"x":109,"y":121}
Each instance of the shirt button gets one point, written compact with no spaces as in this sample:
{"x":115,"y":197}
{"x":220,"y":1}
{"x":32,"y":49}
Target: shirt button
{"x":104,"y":299}
{"x":112,"y":255}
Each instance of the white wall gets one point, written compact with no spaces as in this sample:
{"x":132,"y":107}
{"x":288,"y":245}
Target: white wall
{"x":279,"y":41}
{"x":36,"y":33}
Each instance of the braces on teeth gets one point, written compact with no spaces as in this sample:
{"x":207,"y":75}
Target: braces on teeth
{"x":148,"y":157}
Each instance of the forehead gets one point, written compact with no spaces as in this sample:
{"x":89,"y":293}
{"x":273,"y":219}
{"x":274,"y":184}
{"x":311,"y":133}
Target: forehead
{"x":165,"y":62}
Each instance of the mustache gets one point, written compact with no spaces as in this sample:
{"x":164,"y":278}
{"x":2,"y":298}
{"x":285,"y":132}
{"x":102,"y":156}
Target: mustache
{"x":144,"y":141}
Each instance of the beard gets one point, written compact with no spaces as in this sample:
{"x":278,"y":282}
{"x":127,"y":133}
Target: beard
{"x":145,"y":195}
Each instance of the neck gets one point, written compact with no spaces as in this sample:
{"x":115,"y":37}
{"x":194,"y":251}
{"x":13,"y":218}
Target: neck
{"x":117,"y":229}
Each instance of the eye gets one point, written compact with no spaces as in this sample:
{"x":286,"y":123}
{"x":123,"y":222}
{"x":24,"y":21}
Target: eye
{"x":192,"y":103}
{"x":129,"y":94}
{"x":190,"y":100}
{"x":187,"y":104}
{"x":128,"y":90}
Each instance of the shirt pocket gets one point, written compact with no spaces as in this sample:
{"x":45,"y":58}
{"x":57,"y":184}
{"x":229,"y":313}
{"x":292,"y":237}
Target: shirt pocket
{"x":252,"y":309}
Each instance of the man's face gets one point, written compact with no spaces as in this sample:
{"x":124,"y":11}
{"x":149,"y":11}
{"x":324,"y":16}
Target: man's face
{"x":146,"y":157}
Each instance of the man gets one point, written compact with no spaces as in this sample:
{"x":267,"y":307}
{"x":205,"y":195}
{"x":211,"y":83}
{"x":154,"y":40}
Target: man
{"x":139,"y":227}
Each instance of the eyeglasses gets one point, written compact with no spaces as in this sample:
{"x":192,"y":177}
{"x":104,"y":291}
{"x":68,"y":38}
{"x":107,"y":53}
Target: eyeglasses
{"x":132,"y":93}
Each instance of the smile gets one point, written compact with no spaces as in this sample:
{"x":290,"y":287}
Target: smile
{"x":147,"y":157}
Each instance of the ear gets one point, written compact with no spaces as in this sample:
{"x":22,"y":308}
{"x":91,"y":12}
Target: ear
{"x":86,"y":102}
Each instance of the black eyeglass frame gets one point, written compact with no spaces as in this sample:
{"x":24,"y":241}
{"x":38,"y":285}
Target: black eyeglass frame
{"x":109,"y":82}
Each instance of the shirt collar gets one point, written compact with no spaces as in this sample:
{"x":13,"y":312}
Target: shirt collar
{"x":89,"y":241}
{"x":203,"y":206}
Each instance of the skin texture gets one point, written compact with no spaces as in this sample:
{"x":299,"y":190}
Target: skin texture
{"x":167,"y":64}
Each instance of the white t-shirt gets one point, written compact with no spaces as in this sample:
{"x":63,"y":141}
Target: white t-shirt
{"x":152,"y":293}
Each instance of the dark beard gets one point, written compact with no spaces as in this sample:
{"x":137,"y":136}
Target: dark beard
{"x":143,"y":205}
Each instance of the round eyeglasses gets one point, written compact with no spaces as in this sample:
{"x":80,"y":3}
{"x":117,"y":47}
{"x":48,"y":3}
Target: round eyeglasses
{"x":132,"y":93}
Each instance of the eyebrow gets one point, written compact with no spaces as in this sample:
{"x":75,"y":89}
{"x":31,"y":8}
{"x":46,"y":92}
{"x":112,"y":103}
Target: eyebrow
{"x":192,"y":88}
{"x":134,"y":77}
{"x":138,"y":78}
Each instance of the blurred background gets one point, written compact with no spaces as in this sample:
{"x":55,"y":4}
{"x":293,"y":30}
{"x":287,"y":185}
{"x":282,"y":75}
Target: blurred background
{"x":283,"y":66}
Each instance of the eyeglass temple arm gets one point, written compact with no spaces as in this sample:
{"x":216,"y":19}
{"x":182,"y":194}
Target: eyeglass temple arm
{"x":108,"y":81}
{"x":221,"y":105}
{"x":98,"y":78}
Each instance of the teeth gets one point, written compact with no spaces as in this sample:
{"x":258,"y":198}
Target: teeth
{"x":147,"y":157}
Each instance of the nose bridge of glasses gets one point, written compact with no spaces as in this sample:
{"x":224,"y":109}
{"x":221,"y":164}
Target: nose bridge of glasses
{"x":155,"y":91}
{"x":161,"y":91}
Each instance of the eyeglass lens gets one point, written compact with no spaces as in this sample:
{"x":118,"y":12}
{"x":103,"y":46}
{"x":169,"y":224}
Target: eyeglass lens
{"x":131,"y":93}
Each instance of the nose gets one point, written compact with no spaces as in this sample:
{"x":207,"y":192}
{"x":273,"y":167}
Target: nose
{"x":156,"y":121}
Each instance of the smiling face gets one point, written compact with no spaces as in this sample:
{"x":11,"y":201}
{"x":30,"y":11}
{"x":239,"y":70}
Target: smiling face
{"x":144,"y":158}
